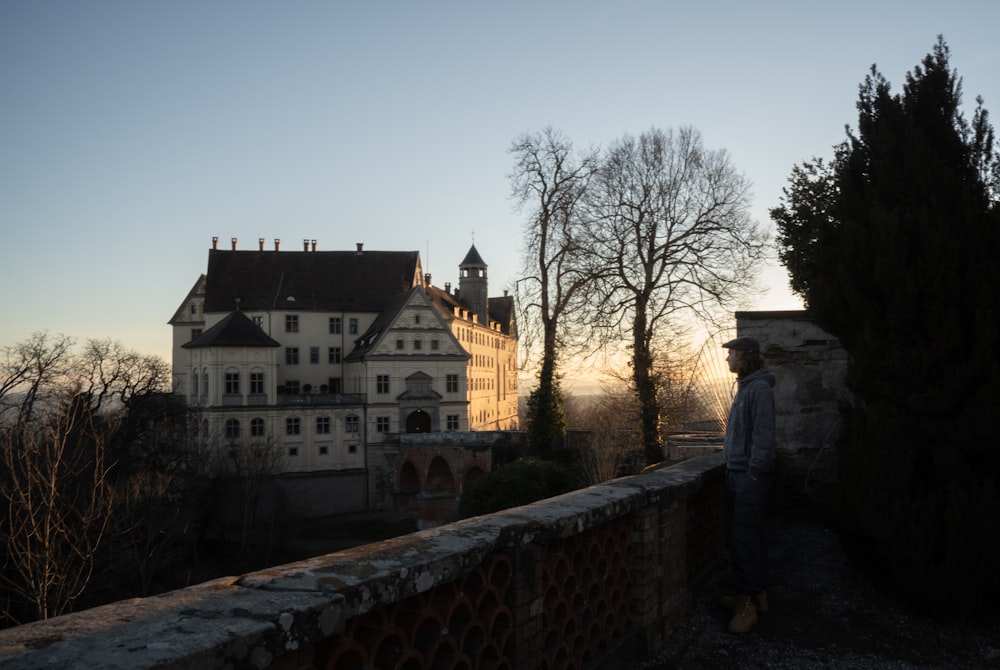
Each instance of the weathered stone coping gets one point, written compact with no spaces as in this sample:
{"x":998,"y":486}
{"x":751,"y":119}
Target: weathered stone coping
{"x":254,"y":620}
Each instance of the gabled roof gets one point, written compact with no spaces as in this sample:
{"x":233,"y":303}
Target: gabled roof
{"x":376,"y":331}
{"x":371,"y":338}
{"x":236,"y":330}
{"x":180,"y":316}
{"x":308,"y":280}
{"x":500,"y":309}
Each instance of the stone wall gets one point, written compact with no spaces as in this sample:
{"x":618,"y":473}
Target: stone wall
{"x":810,"y":366}
{"x":593,"y":578}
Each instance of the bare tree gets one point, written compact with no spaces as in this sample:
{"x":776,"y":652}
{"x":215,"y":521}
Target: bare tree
{"x":549,"y":181}
{"x":251,"y":462}
{"x":70,"y":437}
{"x":671,"y":232}
{"x":27,"y":369}
{"x":59,"y":500}
{"x":612,"y":421}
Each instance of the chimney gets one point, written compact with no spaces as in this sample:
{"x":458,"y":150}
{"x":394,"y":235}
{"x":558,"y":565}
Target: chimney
{"x":215,"y":243}
{"x":260,"y":244}
{"x":277,"y":244}
{"x":305,"y":245}
{"x":447,"y":287}
{"x":361,"y":246}
{"x":313,"y":244}
{"x":234,"y":243}
{"x":427,"y":279}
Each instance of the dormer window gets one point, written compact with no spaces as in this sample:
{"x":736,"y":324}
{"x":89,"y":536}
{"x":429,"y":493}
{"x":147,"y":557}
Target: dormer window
{"x":291,"y":323}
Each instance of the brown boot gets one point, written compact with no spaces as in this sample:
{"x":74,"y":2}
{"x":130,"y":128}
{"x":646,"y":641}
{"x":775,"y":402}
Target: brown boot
{"x":731,"y":600}
{"x":744,"y":615}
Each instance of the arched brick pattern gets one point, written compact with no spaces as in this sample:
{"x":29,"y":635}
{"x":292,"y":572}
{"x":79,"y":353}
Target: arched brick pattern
{"x":587,"y":589}
{"x":463,"y":624}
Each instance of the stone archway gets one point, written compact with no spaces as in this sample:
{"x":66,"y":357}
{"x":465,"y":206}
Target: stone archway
{"x":418,"y":421}
{"x":439,"y":477}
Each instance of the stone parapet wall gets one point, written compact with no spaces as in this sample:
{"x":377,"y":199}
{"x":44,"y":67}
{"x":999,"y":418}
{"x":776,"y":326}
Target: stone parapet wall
{"x":593,"y":578}
{"x":810,"y":366}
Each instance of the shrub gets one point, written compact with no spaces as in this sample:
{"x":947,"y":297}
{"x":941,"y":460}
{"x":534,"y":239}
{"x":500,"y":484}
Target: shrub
{"x":519,"y":483}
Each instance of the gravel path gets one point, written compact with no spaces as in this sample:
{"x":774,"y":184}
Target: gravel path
{"x":824,"y":615}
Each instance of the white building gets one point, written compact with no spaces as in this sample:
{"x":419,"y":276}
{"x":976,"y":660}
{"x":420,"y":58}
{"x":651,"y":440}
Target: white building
{"x":325,"y":352}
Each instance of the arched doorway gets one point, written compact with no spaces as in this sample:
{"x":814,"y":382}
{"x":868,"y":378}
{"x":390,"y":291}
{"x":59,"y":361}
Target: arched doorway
{"x":418,"y":421}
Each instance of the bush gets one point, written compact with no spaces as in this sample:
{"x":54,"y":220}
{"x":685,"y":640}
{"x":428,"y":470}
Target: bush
{"x":519,"y":483}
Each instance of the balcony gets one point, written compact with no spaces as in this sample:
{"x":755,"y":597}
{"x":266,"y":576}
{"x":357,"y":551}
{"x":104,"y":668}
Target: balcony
{"x":323,"y":399}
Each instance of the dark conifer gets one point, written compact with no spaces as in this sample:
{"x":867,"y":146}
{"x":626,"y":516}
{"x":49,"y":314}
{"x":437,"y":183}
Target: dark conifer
{"x":893,"y":246}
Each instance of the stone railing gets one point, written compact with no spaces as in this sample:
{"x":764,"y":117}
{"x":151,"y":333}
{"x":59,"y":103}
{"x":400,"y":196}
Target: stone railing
{"x":593,"y":578}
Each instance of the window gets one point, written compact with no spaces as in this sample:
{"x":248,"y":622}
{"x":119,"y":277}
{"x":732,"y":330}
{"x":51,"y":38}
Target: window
{"x":382,"y":424}
{"x":258,"y":321}
{"x":257,"y":383}
{"x":232,"y":429}
{"x":194,"y":384}
{"x":293,"y":451}
{"x":324,"y":450}
{"x":292,"y":386}
{"x":382,"y":383}
{"x":335,"y":325}
{"x":314,"y":355}
{"x":451,"y":383}
{"x":322,"y":425}
{"x":416,"y":344}
{"x":194,"y":308}
{"x":351,"y":423}
{"x":434,"y":345}
{"x":257,"y":427}
{"x":195,"y":333}
{"x":334,"y":355}
{"x":416,"y":319}
{"x":335,"y":385}
{"x":232,"y":382}
{"x":291,"y":355}
{"x":291,"y":323}
{"x":399,"y":344}
{"x":293,"y":426}
{"x":451,"y":422}
{"x":352,"y":326}
{"x":352,"y":449}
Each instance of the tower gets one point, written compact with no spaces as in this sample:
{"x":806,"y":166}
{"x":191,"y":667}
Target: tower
{"x":472,"y":284}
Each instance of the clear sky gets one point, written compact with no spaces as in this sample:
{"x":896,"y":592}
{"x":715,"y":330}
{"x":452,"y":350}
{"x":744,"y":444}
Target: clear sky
{"x":131,"y":133}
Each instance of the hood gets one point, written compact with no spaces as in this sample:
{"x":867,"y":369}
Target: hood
{"x":763,"y":374}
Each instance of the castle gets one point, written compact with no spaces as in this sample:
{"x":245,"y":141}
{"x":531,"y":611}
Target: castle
{"x":321,"y":353}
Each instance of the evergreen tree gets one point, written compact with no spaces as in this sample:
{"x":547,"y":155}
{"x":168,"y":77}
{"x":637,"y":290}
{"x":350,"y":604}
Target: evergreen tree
{"x":546,"y":419}
{"x":892,"y":246}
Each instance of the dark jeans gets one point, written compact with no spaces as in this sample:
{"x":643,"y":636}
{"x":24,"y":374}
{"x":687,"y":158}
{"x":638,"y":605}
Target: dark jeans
{"x":746,"y":503}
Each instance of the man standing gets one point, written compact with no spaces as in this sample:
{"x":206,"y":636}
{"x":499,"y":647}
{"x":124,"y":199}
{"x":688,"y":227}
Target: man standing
{"x":749,"y":453}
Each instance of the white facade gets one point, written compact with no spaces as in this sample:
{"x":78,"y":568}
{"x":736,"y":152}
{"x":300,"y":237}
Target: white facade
{"x":319,"y":383}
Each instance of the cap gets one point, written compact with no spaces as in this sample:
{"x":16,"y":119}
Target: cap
{"x":743,"y":344}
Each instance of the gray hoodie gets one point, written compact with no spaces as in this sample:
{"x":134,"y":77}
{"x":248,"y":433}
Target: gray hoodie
{"x":749,"y":441}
